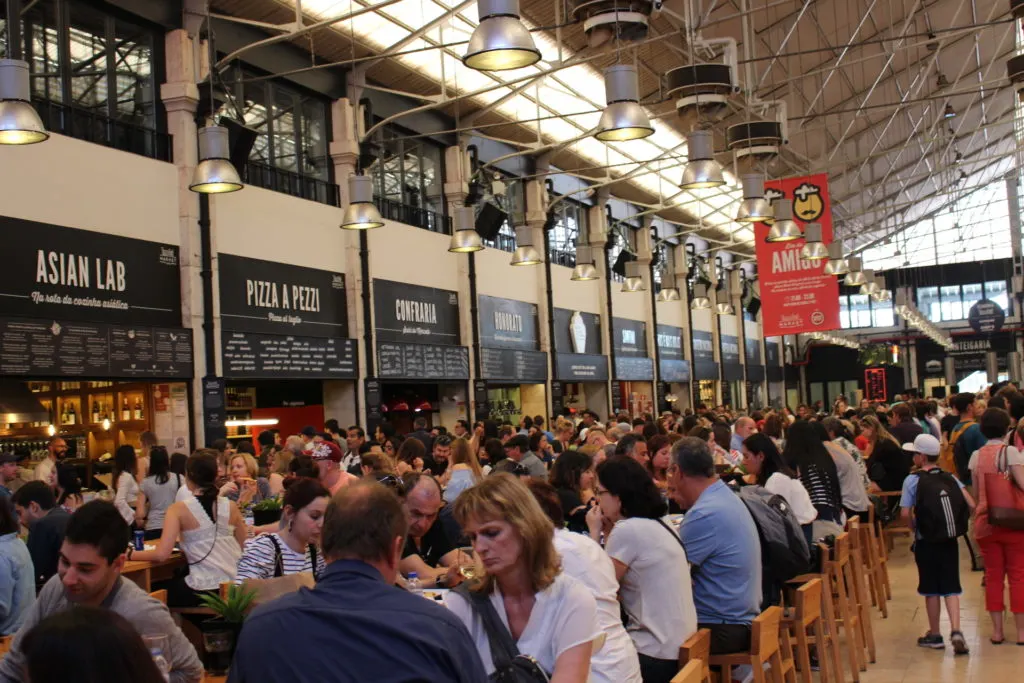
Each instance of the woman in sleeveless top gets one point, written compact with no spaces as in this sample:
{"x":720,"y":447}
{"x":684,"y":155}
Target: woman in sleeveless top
{"x":209,"y":529}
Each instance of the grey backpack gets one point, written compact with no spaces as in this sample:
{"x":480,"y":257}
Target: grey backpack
{"x":784,"y":550}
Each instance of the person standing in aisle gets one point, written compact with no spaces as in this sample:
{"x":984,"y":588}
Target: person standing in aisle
{"x":46,"y":470}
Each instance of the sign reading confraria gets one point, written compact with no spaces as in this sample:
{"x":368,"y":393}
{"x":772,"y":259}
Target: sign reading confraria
{"x":69,"y":274}
{"x":414,"y":314}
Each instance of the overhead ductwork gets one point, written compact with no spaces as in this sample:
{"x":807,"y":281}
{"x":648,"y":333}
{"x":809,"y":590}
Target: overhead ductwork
{"x":760,"y":140}
{"x":607,"y":20}
{"x":702,"y":90}
{"x":18,"y":405}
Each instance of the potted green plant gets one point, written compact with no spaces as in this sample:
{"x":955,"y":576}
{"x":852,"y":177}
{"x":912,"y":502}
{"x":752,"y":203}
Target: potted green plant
{"x":267,"y":511}
{"x":220,"y":634}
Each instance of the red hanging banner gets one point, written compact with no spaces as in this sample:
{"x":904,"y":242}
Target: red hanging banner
{"x":796,"y":295}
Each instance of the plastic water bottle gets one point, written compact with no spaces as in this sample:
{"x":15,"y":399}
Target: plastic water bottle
{"x":413,"y":584}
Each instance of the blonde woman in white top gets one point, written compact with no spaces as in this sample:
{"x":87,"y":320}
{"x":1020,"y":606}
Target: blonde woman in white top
{"x":210,"y":530}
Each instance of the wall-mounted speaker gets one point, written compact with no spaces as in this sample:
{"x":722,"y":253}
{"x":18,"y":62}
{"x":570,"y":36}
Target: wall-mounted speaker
{"x":489,"y":221}
{"x":753,"y":306}
{"x":620,"y":263}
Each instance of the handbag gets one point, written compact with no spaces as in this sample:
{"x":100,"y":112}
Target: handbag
{"x":1005,"y":500}
{"x":509,"y":665}
{"x":281,"y":583}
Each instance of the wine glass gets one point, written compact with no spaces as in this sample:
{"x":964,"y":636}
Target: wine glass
{"x":468,"y":567}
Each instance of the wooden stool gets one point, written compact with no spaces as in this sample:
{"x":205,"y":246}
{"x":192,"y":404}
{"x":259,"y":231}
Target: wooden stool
{"x":160,"y":595}
{"x":881,"y":551}
{"x":806,"y":616}
{"x":896,"y":527}
{"x":855,"y":573}
{"x":693,"y":672}
{"x":697,"y":647}
{"x":828,"y":651}
{"x":876,"y":566}
{"x":846,"y":614}
{"x":764,"y":649}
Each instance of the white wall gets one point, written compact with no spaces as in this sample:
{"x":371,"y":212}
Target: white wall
{"x":78,"y":184}
{"x":576,"y":296}
{"x":729,"y":325}
{"x":406,"y":254}
{"x":671,"y":313}
{"x":272,"y":226}
{"x":495,"y":277}
{"x":632,"y":305}
{"x":702,"y":320}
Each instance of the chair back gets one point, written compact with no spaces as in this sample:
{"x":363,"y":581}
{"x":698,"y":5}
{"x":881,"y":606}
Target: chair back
{"x":764,"y":633}
{"x":697,"y":646}
{"x":693,"y":672}
{"x":807,"y":602}
{"x":160,"y":595}
{"x":841,"y":551}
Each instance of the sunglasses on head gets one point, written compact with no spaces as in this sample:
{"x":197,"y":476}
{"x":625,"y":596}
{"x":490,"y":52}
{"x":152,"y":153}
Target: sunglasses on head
{"x":443,"y":440}
{"x":518,"y":469}
{"x":392,"y":482}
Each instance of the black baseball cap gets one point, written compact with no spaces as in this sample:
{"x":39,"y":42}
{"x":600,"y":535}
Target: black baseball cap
{"x":308,"y":431}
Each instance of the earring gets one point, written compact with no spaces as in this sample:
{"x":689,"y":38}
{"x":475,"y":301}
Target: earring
{"x":290,"y":524}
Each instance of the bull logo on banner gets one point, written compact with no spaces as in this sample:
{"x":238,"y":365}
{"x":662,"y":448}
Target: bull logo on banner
{"x":796,"y":295}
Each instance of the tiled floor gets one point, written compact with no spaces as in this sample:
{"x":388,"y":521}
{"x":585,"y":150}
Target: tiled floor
{"x":901,"y":661}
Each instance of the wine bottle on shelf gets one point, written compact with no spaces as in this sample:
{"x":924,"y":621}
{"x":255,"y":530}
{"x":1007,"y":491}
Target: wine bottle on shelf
{"x":138,"y":409}
{"x":126,"y":413}
{"x":95,"y":411}
{"x":71,"y":414}
{"x":64,"y":415}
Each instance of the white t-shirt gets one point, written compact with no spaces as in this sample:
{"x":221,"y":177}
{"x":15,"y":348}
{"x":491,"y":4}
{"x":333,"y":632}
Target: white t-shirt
{"x":584,"y":560}
{"x":656,"y":590}
{"x":795,"y":494}
{"x":564,"y":616}
{"x":1013,"y":456}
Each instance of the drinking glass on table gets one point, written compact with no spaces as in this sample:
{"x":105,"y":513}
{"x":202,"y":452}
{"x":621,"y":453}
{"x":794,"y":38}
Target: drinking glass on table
{"x":468,"y":567}
{"x":157,"y":646}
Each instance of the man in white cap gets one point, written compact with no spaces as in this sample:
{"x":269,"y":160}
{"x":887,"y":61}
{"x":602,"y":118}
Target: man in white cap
{"x":937,"y":507}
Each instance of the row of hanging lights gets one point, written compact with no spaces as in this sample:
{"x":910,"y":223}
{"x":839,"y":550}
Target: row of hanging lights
{"x":833,"y":339}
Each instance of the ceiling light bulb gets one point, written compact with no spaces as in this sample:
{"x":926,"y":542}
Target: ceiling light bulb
{"x":784,"y":229}
{"x":501,"y":41}
{"x":361,"y":213}
{"x":623,"y":118}
{"x":215,"y":174}
{"x":754,"y":208}
{"x":836,"y":263}
{"x":465,"y":239}
{"x":700,"y":301}
{"x":724,"y":308}
{"x":814,"y":250}
{"x":855,"y":276}
{"x":701,"y":171}
{"x":19,"y":121}
{"x":525,"y":254}
{"x":948,"y":113}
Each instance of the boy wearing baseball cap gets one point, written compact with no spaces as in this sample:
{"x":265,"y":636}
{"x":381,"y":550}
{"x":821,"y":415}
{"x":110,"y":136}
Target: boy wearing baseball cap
{"x":937,"y":507}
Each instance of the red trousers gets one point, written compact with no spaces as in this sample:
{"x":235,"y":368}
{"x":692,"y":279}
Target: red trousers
{"x":1003,"y":551}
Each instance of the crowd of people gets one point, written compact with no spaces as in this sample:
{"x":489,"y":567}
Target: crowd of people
{"x":595,"y":548}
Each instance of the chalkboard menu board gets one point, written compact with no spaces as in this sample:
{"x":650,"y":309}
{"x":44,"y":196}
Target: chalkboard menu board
{"x":557,"y":398}
{"x":410,"y":313}
{"x":732,"y":369}
{"x":616,"y":396}
{"x":773,"y":355}
{"x":874,"y":384}
{"x":674,"y":370}
{"x":752,"y":352}
{"x":634,"y":369}
{"x":281,"y":298}
{"x":581,"y":367}
{"x":32,"y":348}
{"x":374,"y":415}
{"x":251,"y":355}
{"x":629,"y":338}
{"x":670,"y":343}
{"x":422,"y":361}
{"x":512,"y":365}
{"x":704,"y":365}
{"x":508,"y":324}
{"x":577,"y":332}
{"x":214,"y":409}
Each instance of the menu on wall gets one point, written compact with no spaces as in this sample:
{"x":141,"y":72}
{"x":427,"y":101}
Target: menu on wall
{"x":581,"y":367}
{"x":670,"y":370}
{"x":629,"y":337}
{"x":281,"y":298}
{"x":732,"y":369}
{"x":670,"y":342}
{"x":752,"y":353}
{"x":422,"y":361}
{"x":406,"y":313}
{"x":508,"y":324}
{"x":773,"y":355}
{"x":251,"y":355}
{"x":704,"y":365}
{"x":634,"y":369}
{"x":56,"y":272}
{"x":513,"y":365}
{"x":54,"y":349}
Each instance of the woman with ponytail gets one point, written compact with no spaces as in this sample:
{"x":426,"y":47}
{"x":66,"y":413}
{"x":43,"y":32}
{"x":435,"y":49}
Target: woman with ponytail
{"x":209,"y":529}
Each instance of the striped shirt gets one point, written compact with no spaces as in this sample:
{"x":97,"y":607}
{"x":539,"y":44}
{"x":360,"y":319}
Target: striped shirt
{"x":258,"y":558}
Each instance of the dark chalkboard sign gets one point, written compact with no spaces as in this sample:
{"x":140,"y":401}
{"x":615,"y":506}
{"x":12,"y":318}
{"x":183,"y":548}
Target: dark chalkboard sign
{"x":732,"y":369}
{"x":422,"y":361}
{"x":511,"y":365}
{"x":674,"y":370}
{"x":508,"y":324}
{"x":634,"y":369}
{"x":581,"y":367}
{"x":704,"y":365}
{"x":413,"y":314}
{"x":251,"y":355}
{"x":670,"y":342}
{"x":629,"y":338}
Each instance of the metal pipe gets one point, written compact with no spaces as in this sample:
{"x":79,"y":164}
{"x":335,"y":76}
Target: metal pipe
{"x":364,"y":269}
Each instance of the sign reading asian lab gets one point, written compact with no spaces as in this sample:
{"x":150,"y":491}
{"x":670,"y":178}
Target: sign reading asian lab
{"x":796,"y":295}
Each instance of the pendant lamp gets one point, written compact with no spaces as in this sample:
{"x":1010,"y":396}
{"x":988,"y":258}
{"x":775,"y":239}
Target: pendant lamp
{"x":855,"y":277}
{"x":501,"y":41}
{"x":525,"y":254}
{"x":19,"y":121}
{"x":784,"y":229}
{"x":836,"y":263}
{"x":465,"y":239}
{"x":754,"y":208}
{"x":814,"y":250}
{"x":623,"y":118}
{"x":361,"y":213}
{"x":215,"y":174}
{"x":634,"y":279}
{"x":870,"y":285}
{"x":701,"y":171}
{"x":584,"y":269}
{"x":700,"y":301}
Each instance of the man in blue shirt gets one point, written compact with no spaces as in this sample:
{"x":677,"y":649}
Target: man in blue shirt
{"x":743,"y":428}
{"x":721,"y":544}
{"x":355,"y":625}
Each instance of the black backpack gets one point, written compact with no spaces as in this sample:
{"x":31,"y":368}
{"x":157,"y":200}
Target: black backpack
{"x":940,"y":511}
{"x":784,"y":551}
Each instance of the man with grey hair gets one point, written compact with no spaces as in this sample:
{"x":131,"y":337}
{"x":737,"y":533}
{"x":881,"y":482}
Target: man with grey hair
{"x":743,"y":428}
{"x":721,"y":544}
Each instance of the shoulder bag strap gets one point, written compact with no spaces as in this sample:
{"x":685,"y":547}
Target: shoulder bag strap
{"x":312,"y":560}
{"x":278,"y":559}
{"x":503,"y":648}
{"x":674,"y":534}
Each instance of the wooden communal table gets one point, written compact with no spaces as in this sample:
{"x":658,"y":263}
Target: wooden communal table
{"x":145,"y":574}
